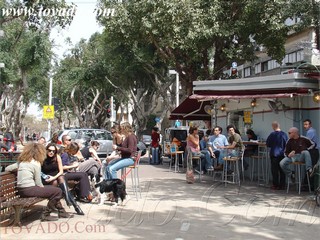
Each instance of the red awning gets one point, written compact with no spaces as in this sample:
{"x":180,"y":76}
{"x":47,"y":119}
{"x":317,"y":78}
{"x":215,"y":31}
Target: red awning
{"x":190,"y":109}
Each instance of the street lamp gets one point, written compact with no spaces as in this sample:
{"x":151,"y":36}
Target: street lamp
{"x":177,"y":85}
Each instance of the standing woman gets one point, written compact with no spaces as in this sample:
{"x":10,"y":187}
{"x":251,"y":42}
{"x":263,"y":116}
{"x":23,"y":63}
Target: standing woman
{"x":52,"y":167}
{"x":29,"y":178}
{"x":127,"y":151}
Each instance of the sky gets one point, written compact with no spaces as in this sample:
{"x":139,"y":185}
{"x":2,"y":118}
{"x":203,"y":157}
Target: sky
{"x":83,"y":26}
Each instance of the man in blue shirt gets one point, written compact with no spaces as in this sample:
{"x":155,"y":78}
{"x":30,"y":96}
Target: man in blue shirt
{"x":217,"y":140}
{"x":311,"y":133}
{"x":276,"y":141}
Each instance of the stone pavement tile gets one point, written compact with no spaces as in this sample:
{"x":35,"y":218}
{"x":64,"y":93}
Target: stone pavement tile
{"x":172,"y":209}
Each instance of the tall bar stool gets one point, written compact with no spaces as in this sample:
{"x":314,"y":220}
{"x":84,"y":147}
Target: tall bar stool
{"x":298,"y":166}
{"x":177,"y":154}
{"x":260,"y":161}
{"x":233,"y":162}
{"x":133,"y":170}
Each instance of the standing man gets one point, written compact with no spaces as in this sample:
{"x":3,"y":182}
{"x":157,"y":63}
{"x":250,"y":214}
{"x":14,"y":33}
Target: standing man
{"x":311,"y":133}
{"x":276,"y":141}
{"x":155,"y":138}
{"x":297,"y":151}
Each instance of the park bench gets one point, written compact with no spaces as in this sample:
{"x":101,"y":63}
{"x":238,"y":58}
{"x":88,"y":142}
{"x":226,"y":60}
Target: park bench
{"x":10,"y":200}
{"x":8,"y":158}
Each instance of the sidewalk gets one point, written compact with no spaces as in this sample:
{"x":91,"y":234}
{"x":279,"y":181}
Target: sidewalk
{"x":172,"y":209}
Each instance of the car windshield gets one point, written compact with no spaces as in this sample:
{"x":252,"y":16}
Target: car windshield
{"x":103,"y":135}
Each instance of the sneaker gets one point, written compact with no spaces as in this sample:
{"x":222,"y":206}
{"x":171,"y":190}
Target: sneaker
{"x":293,"y":178}
{"x":210,"y":169}
{"x":310,"y":172}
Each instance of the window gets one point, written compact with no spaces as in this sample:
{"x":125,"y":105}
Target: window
{"x":247,"y":72}
{"x":264,"y":66}
{"x":257,"y":68}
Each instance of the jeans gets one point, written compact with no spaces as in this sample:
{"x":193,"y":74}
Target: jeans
{"x":206,"y":161}
{"x":303,"y":157}
{"x":114,"y":166}
{"x":278,"y":177}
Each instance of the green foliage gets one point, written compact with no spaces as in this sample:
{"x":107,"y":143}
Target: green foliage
{"x":187,"y":34}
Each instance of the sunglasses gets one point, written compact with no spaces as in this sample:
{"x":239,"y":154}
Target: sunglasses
{"x":50,"y":150}
{"x":68,"y":139}
{"x":113,"y":132}
{"x":289,"y":132}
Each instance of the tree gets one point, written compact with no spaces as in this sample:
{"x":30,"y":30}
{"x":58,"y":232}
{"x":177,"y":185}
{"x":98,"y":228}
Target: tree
{"x":26,"y":52}
{"x":187,"y":35}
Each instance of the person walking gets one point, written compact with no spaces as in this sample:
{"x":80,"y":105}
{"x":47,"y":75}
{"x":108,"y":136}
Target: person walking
{"x":276,"y":141}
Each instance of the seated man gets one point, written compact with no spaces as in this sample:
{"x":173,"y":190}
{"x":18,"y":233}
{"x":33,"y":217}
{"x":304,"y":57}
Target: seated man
{"x":214,"y":141}
{"x":297,"y":151}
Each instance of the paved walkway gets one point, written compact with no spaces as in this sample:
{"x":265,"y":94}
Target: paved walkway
{"x":171,"y":209}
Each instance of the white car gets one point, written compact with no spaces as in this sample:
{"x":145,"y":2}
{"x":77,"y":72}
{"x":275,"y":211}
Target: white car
{"x":86,"y":135}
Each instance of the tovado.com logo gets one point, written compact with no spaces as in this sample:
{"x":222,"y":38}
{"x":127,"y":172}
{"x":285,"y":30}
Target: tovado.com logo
{"x":46,"y":12}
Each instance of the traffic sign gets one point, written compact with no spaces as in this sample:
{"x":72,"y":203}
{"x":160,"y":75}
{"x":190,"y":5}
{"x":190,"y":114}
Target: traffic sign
{"x":48,"y":112}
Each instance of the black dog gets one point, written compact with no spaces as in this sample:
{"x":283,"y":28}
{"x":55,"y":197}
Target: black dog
{"x":116,"y":186}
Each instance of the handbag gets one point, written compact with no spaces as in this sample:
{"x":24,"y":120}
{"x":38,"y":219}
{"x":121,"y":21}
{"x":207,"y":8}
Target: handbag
{"x":190,"y":177}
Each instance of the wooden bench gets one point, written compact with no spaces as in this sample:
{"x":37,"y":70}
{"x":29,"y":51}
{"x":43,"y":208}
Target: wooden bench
{"x":8,"y":158}
{"x":9,"y":199}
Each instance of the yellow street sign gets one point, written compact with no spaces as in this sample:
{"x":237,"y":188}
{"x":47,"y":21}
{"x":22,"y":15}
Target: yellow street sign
{"x":48,"y":112}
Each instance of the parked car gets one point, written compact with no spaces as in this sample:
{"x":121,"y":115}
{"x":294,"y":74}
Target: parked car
{"x":85,"y":136}
{"x":146,"y":139}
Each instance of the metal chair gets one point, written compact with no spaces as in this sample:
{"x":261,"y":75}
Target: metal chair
{"x":298,"y":169}
{"x":133,"y":170}
{"x":174,"y":152}
{"x":234,"y":163}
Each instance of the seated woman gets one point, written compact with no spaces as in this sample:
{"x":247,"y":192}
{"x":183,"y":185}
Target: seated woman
{"x":52,"y":167}
{"x":127,"y":151}
{"x":193,"y":144}
{"x":89,"y":160}
{"x":117,"y":140}
{"x":70,"y":166}
{"x":29,"y":180}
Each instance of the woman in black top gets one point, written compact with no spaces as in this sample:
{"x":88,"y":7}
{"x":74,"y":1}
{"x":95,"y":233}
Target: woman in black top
{"x":52,"y":167}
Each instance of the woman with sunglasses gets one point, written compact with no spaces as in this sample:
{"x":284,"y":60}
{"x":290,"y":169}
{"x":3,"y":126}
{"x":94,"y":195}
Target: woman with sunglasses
{"x":70,"y":165}
{"x":52,"y":167}
{"x":117,"y":140}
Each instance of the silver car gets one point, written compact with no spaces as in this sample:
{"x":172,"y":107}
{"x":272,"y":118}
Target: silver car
{"x":86,"y":135}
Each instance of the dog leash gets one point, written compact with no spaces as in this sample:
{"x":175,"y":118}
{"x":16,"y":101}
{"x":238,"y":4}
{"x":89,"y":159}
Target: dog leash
{"x":124,"y":176}
{"x":135,"y":163}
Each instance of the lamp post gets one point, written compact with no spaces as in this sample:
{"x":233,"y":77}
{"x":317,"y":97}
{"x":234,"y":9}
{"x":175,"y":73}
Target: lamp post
{"x":1,"y":66}
{"x":177,"y":85}
{"x":50,"y":102}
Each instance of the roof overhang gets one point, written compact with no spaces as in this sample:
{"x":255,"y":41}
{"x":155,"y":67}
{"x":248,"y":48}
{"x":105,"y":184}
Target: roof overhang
{"x":298,"y":83}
